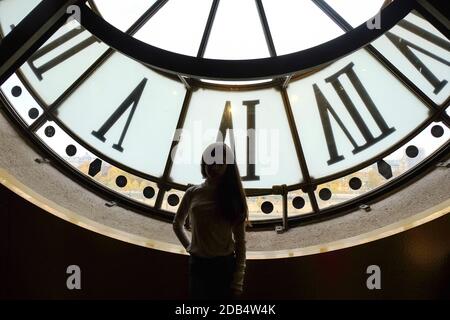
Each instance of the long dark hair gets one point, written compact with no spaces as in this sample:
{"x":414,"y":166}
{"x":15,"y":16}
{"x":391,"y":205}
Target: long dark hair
{"x":230,"y":195}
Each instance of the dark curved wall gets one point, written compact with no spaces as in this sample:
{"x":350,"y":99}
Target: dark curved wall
{"x":36,"y":248}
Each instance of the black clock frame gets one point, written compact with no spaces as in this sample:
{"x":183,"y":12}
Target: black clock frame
{"x":206,"y":68}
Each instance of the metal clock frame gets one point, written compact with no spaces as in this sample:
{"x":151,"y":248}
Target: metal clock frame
{"x":50,"y":15}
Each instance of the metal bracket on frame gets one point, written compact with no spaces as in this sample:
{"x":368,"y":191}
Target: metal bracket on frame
{"x":111,"y":204}
{"x":42,"y":160}
{"x":283,"y":191}
{"x":445,"y":164}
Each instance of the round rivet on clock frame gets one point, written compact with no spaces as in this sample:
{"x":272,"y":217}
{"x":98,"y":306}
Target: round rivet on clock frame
{"x":355,"y":183}
{"x":412,"y":151}
{"x":325,"y":194}
{"x":33,"y":113}
{"x":49,"y":131}
{"x":173,"y":200}
{"x":16,"y":91}
{"x":121,"y":181}
{"x":437,"y":131}
{"x":71,"y":150}
{"x":149,"y":192}
{"x":298,"y":202}
{"x":267,"y":207}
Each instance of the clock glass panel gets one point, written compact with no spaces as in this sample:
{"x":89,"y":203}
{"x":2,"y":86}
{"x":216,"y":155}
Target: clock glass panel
{"x":312,"y":141}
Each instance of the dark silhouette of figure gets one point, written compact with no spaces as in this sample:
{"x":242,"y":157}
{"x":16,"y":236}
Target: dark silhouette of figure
{"x":218,"y":214}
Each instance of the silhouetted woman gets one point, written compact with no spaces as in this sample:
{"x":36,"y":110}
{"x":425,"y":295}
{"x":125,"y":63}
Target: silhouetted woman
{"x":218,"y":215}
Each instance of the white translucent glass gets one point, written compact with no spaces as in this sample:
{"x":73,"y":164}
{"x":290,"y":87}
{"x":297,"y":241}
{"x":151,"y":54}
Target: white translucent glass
{"x":13,"y":11}
{"x":440,"y":70}
{"x":275,"y":158}
{"x":298,"y":24}
{"x":398,"y":161}
{"x":147,"y":142}
{"x":24,"y":102}
{"x":255,"y":212}
{"x":356,"y":12}
{"x":237,"y":32}
{"x":254,"y":205}
{"x":397,"y":105}
{"x":426,"y":144}
{"x":178,"y":26}
{"x":122,"y":14}
{"x":59,"y":78}
{"x":82,"y":159}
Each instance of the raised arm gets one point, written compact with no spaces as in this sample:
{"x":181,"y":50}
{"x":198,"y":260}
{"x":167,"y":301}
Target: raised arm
{"x":180,"y":218}
{"x":240,"y":250}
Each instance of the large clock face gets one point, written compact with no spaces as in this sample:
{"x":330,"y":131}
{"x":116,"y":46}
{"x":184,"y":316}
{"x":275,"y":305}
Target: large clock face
{"x":330,"y":135}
